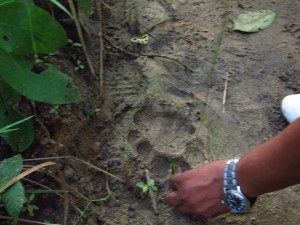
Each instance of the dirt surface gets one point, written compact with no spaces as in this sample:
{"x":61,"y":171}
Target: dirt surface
{"x":163,"y":104}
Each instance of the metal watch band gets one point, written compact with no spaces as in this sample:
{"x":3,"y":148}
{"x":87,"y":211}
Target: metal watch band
{"x":230,"y":181}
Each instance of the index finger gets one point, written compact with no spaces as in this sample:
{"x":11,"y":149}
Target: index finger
{"x":175,"y":181}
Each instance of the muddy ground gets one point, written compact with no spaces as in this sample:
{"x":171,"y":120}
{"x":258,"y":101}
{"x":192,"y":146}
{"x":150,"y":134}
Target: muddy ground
{"x":162,"y":103}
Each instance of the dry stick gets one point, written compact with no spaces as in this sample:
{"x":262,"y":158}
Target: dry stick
{"x":80,"y":35}
{"x":73,"y":191}
{"x":91,"y":201}
{"x":151,"y":193}
{"x":101,"y":65}
{"x":97,"y":168}
{"x":45,"y":187}
{"x":70,"y":187}
{"x":25,"y":173}
{"x":225,"y":92}
{"x":81,"y":161}
{"x":41,"y":185}
{"x":107,"y":187}
{"x":66,"y":198}
{"x":28,"y":221}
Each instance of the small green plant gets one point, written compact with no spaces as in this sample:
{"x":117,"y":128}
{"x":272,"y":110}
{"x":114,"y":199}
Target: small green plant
{"x":79,"y":65}
{"x":145,"y":187}
{"x":38,"y":59}
{"x":174,"y":165}
{"x":28,"y":206}
{"x":54,"y":109}
{"x":94,"y":110}
{"x":74,"y":44}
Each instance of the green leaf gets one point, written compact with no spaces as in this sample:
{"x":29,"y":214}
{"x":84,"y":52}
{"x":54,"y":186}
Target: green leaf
{"x":21,"y":138}
{"x":150,"y":182}
{"x":254,"y":21}
{"x":50,"y":86}
{"x":13,"y":199}
{"x":6,"y":2}
{"x":154,"y":188}
{"x":11,"y":167}
{"x":145,"y":188}
{"x":31,"y":197}
{"x":140,"y":185}
{"x":31,"y":208}
{"x":26,"y":28}
{"x":9,"y":95}
{"x":4,"y":182}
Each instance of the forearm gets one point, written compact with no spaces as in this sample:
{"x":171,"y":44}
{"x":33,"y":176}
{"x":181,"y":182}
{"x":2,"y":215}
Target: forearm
{"x":273,"y":165}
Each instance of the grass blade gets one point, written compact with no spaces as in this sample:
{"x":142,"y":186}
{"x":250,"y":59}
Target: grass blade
{"x":7,"y":128}
{"x":59,"y":5}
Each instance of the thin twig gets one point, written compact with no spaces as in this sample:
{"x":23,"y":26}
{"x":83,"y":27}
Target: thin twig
{"x":101,"y":49}
{"x":58,"y":194}
{"x":225,"y":92}
{"x":70,"y":187}
{"x":27,"y":221}
{"x":80,"y":35}
{"x":107,"y":184}
{"x":81,"y":161}
{"x":66,"y":197}
{"x":41,"y":185}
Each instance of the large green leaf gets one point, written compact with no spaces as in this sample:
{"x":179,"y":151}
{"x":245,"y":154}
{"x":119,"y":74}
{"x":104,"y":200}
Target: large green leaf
{"x":13,"y":199}
{"x":9,"y":95}
{"x":26,"y":28}
{"x":20,"y":139}
{"x":254,"y":21}
{"x":11,"y":167}
{"x":50,"y":86}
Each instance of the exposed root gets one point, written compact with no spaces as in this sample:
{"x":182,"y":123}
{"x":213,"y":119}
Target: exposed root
{"x":136,"y":55}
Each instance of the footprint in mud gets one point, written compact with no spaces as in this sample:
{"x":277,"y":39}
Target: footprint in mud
{"x":164,"y":127}
{"x":164,"y":136}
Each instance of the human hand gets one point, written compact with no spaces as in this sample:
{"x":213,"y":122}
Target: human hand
{"x":199,"y":192}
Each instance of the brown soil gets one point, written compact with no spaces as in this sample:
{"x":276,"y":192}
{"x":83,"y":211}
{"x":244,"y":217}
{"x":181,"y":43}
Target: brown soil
{"x":167,"y":107}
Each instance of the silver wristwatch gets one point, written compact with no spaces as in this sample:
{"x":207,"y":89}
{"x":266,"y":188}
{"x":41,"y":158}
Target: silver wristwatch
{"x":234,"y":198}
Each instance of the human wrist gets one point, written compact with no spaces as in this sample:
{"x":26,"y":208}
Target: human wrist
{"x":247,"y":183}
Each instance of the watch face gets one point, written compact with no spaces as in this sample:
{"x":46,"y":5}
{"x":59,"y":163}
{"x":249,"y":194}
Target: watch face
{"x":236,"y":201}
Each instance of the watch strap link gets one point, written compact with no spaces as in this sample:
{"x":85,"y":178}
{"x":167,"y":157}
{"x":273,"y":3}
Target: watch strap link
{"x":230,"y":180}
